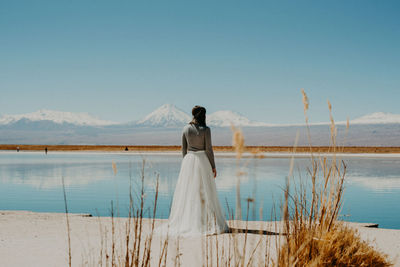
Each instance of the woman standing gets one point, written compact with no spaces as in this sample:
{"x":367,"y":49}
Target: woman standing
{"x":195,"y":207}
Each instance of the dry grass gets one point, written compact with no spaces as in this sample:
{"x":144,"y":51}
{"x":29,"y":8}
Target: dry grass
{"x":133,"y":247}
{"x":314,"y":235}
{"x":340,"y":246}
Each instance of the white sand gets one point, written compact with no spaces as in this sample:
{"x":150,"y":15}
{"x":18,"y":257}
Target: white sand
{"x":40,"y":239}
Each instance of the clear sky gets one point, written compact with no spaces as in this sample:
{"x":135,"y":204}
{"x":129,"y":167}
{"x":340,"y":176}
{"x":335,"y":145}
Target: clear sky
{"x":120,"y":60}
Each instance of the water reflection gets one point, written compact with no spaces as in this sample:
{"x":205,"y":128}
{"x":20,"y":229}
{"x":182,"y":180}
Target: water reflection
{"x":32,"y":181}
{"x":48,"y":176}
{"x":377,"y":184}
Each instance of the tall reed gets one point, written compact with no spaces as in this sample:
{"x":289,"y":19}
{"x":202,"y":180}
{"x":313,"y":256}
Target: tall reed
{"x":136,"y":241}
{"x":315,"y":237}
{"x":68,"y":226}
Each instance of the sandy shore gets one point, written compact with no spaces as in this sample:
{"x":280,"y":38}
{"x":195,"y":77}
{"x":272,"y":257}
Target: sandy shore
{"x":40,"y":239}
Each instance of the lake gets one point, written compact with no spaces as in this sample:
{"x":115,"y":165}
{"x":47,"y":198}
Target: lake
{"x":32,"y":181}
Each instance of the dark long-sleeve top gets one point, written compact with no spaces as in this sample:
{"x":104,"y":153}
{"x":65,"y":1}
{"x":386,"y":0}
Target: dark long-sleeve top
{"x":196,"y":138}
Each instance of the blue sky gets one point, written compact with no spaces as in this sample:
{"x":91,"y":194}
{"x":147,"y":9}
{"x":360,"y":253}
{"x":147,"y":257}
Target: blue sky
{"x":120,"y":60}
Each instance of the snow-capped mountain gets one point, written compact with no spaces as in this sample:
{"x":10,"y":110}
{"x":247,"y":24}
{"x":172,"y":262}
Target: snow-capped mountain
{"x":167,"y":115}
{"x":58,"y":117}
{"x":377,"y":118}
{"x":226,"y":118}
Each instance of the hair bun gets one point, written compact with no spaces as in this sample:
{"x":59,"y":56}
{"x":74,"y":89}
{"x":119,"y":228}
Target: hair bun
{"x":199,"y":115}
{"x":197,"y":110}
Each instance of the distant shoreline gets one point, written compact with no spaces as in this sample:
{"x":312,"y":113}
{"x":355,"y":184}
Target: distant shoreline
{"x":172,"y":148}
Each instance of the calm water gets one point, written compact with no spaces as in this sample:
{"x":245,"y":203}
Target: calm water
{"x":32,"y":181}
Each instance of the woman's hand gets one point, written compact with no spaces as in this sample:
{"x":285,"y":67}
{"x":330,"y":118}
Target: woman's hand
{"x":215,"y":172}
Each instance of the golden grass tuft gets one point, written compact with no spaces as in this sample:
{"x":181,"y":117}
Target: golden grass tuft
{"x":341,"y":246}
{"x":114,"y":166}
{"x":305,"y":100}
{"x":237,"y":141}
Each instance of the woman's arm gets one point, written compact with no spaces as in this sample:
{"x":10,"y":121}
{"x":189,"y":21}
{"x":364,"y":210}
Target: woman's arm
{"x":184,"y":145}
{"x":209,"y":150}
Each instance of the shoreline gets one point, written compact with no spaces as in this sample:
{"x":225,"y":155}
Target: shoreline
{"x":220,"y":151}
{"x":222,"y":154}
{"x":175,"y":148}
{"x":40,"y":239}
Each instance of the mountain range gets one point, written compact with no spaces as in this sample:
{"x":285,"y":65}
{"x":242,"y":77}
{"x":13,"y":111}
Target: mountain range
{"x":58,"y":117}
{"x":167,"y":115}
{"x":170,"y":116}
{"x":163,"y":127}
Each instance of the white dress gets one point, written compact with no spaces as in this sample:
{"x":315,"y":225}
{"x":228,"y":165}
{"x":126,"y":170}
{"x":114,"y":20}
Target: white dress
{"x":195,"y":207}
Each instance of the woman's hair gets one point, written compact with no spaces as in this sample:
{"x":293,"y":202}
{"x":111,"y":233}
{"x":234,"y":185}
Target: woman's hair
{"x":199,"y":115}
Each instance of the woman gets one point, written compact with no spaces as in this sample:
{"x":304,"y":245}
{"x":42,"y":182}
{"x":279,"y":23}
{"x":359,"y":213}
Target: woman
{"x":195,"y":207}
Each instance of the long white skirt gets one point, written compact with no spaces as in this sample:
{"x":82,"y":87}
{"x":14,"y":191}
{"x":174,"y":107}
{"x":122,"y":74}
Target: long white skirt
{"x":195,"y":207}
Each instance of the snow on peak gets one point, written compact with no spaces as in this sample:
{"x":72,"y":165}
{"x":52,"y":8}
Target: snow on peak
{"x":81,"y":118}
{"x":226,"y":118}
{"x":377,"y":118}
{"x":168,"y":115}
